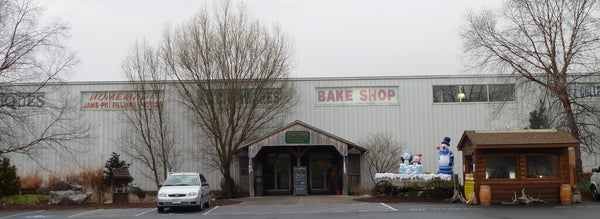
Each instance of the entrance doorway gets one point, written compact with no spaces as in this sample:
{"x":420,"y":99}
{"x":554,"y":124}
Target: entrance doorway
{"x":277,"y":173}
{"x":274,"y":166}
{"x":323,"y":171}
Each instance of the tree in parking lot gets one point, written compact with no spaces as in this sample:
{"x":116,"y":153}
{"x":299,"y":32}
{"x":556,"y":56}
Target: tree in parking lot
{"x":231,"y":72}
{"x":551,"y":43}
{"x":149,"y":137}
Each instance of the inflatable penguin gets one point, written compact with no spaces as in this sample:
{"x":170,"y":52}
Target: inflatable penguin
{"x":446,"y":157}
{"x":406,"y":158}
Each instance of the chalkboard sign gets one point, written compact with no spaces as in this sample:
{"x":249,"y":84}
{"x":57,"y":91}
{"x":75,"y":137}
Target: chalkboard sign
{"x":300,"y":180}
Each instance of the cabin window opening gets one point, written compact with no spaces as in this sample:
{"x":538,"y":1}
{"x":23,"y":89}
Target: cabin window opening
{"x":501,"y":167}
{"x":543,"y":166}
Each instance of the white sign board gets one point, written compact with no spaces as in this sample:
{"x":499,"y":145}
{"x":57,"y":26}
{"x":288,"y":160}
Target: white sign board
{"x":357,"y":95}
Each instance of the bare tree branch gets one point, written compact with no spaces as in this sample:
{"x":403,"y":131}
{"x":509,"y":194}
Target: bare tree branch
{"x":232,"y":74}
{"x":149,"y":138}
{"x":552,"y":43}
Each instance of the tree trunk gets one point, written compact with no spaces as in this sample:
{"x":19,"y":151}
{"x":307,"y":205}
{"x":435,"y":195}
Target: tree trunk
{"x":227,"y":184}
{"x":574,"y":130}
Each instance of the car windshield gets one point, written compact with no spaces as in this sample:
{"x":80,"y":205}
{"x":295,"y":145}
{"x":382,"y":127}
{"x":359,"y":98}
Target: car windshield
{"x":181,"y":180}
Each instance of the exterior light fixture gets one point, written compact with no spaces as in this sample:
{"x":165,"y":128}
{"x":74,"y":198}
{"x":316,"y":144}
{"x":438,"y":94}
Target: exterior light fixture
{"x":461,"y":94}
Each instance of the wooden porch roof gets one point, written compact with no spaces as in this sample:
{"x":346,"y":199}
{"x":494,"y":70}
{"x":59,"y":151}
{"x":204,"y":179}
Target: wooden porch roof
{"x":528,"y":138}
{"x":318,"y":138}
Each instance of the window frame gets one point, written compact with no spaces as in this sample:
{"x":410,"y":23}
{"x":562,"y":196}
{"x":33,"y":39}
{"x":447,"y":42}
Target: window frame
{"x":556,"y":166}
{"x":517,"y":166}
{"x":440,"y":93}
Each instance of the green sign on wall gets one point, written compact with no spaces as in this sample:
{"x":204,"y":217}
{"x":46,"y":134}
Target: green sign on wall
{"x":297,"y":137}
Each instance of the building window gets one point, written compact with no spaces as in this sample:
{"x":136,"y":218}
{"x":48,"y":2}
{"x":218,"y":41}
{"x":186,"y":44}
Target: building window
{"x":501,"y":92}
{"x":543,"y":166}
{"x":501,"y":167}
{"x":473,"y":93}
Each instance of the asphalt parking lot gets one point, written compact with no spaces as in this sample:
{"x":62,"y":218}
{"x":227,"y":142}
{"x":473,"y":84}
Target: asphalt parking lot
{"x":328,"y":207}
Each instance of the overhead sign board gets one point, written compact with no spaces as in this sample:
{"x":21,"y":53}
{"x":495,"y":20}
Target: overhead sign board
{"x":381,"y":95}
{"x":297,"y":137}
{"x":113,"y":100}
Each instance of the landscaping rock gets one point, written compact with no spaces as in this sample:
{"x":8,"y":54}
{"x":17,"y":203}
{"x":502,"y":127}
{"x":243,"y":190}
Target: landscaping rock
{"x":69,"y":197}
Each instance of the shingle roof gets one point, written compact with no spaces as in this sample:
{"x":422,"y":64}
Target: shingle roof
{"x":519,"y":137}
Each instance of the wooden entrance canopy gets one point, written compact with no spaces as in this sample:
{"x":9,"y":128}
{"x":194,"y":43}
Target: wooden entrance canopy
{"x":299,"y":134}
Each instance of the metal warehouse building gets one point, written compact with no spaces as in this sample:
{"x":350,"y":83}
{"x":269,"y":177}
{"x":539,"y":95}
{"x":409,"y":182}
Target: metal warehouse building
{"x":323,"y":133}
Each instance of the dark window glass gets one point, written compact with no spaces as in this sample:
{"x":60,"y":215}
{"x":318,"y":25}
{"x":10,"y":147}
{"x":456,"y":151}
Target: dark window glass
{"x":545,"y":166}
{"x":445,"y":94}
{"x":501,"y":167}
{"x":502,"y":92}
{"x":474,"y":93}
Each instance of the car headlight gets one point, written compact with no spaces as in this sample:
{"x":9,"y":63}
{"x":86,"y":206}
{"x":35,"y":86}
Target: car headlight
{"x":192,"y":194}
{"x":162,"y":194}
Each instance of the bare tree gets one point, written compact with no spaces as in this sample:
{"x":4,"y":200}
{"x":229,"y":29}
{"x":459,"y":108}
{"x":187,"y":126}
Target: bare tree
{"x":32,"y":55}
{"x":149,"y":137}
{"x":383,"y":153}
{"x":543,"y":41}
{"x":232,"y":74}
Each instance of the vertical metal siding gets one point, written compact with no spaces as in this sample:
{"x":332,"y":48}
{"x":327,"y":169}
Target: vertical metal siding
{"x":416,"y":122}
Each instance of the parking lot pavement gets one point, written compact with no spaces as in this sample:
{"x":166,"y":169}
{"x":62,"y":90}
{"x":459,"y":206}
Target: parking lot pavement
{"x":299,"y":209}
{"x":96,"y":213}
{"x":297,"y":200}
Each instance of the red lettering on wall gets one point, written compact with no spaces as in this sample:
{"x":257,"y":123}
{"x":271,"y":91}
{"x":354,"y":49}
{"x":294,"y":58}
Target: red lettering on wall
{"x":93,"y":97}
{"x":330,"y":96}
{"x":364,"y":95}
{"x":373,"y":95}
{"x":338,"y":95}
{"x":381,"y":94}
{"x":321,"y":96}
{"x":391,"y":93}
{"x":348,"y":95}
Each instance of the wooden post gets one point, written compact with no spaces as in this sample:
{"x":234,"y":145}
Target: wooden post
{"x":345,"y":161}
{"x":251,"y":172}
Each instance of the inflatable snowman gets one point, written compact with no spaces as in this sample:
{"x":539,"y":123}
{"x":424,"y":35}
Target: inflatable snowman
{"x":446,"y":157}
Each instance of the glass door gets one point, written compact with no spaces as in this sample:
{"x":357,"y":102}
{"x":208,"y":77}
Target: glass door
{"x":282,"y":172}
{"x":321,"y":171}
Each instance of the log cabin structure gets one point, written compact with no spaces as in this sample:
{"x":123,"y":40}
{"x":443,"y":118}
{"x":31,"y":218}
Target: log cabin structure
{"x":539,"y":161}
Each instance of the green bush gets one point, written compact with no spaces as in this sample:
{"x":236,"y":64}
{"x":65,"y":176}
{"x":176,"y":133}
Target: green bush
{"x":24,"y":199}
{"x":584,"y":186}
{"x":114,"y":162}
{"x":9,"y":181}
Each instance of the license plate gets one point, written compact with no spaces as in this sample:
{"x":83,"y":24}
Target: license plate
{"x":176,"y":201}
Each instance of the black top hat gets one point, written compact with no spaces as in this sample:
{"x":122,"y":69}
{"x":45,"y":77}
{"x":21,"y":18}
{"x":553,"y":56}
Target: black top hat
{"x":446,"y":141}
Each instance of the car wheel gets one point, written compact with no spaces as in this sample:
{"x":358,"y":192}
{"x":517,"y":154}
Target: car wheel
{"x":595,"y":194}
{"x":160,"y":209}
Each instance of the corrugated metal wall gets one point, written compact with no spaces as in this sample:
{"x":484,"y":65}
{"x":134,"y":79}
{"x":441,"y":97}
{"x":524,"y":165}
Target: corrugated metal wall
{"x":416,"y":121}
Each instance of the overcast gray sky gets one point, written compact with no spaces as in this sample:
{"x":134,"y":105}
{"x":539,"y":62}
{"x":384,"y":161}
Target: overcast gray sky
{"x":332,"y":38}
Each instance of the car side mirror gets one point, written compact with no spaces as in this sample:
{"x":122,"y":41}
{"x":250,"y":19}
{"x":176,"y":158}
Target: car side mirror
{"x":594,"y":170}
